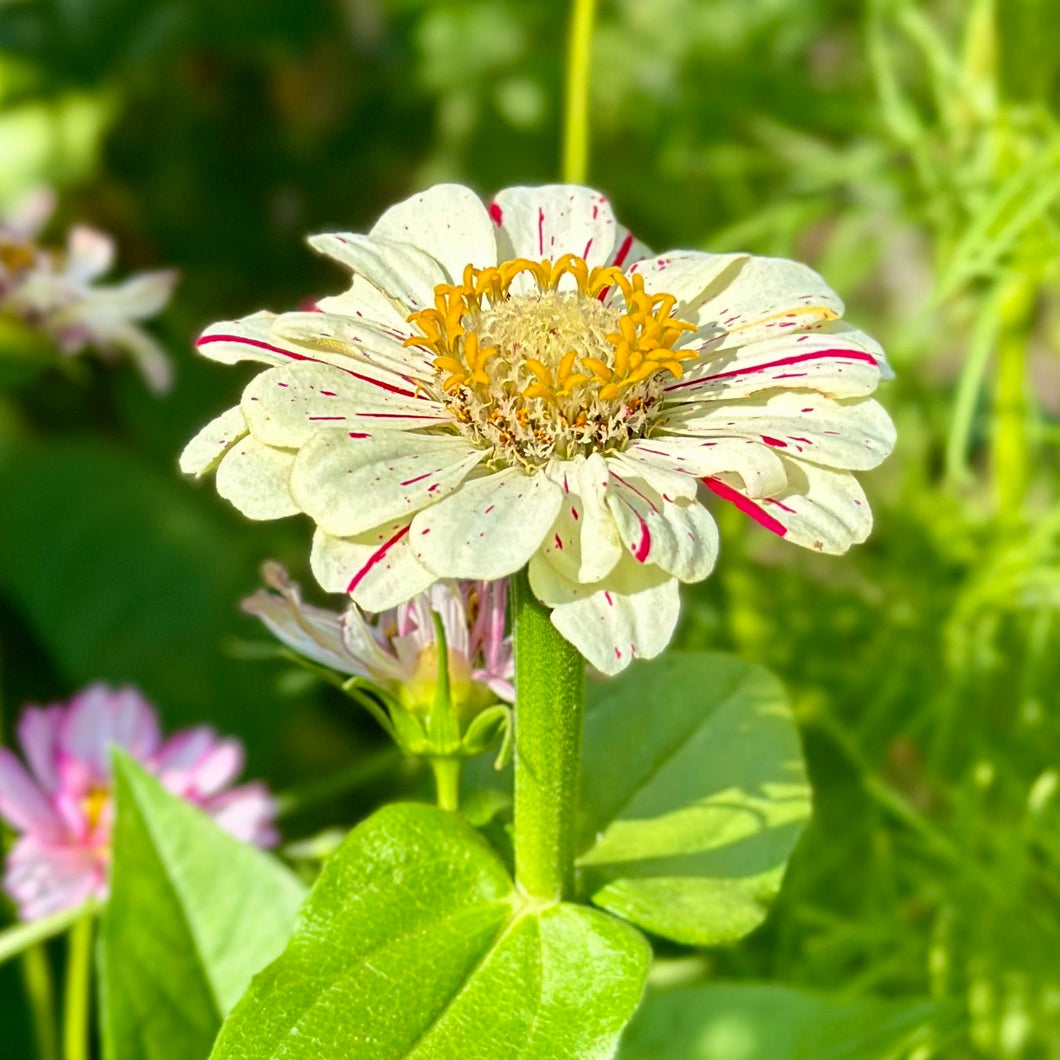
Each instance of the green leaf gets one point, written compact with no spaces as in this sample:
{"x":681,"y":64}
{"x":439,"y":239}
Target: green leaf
{"x":694,"y":793}
{"x":193,"y":914}
{"x":414,"y":943}
{"x":748,"y":1021}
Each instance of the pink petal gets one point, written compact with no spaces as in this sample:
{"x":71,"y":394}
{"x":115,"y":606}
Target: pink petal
{"x":99,"y":718}
{"x":38,"y":733}
{"x":21,"y":801}
{"x":246,"y":812}
{"x":44,"y":877}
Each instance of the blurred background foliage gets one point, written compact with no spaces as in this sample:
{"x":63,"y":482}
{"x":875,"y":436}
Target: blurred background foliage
{"x":908,"y":150}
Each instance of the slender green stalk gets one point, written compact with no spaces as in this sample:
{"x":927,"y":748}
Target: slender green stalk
{"x":26,"y":939}
{"x":78,"y":991}
{"x":576,"y":115}
{"x":549,"y":705}
{"x":20,"y":937}
{"x":969,"y":389}
{"x":40,"y":993}
{"x":1011,"y":452}
{"x":447,"y":781}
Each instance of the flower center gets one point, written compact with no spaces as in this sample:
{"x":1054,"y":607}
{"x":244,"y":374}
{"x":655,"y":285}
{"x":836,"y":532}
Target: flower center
{"x":544,"y":367}
{"x":16,"y":257}
{"x":93,"y":804}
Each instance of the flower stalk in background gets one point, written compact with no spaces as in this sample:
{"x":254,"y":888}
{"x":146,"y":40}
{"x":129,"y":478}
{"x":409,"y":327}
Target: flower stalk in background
{"x":441,"y":663}
{"x":62,"y":805}
{"x":522,"y":384}
{"x":56,"y":292}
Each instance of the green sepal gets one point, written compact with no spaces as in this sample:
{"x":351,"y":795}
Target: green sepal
{"x":491,"y":726}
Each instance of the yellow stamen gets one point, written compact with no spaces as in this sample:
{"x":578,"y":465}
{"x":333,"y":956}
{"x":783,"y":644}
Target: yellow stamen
{"x":642,"y":344}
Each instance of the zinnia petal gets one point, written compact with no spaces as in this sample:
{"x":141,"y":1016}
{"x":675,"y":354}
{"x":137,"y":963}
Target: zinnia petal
{"x":490,"y":528}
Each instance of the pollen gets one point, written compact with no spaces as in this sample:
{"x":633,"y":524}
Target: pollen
{"x":543,"y":359}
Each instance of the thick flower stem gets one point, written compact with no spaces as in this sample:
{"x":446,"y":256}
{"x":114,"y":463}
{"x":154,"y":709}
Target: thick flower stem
{"x":78,"y":991}
{"x":549,"y":704}
{"x":576,"y":118}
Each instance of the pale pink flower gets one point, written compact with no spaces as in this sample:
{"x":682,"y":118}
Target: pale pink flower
{"x":63,"y":807}
{"x":57,"y":292}
{"x":397,"y":648}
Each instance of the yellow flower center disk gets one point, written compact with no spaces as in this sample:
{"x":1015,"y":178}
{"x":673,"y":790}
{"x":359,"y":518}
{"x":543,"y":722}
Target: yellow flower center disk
{"x":16,"y":257}
{"x":535,"y":364}
{"x":93,"y":805}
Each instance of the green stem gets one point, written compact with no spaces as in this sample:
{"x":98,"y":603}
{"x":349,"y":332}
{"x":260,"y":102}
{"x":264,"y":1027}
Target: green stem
{"x":40,"y":993}
{"x":549,"y":704}
{"x":447,"y":781}
{"x":20,"y":937}
{"x":576,"y":115}
{"x":969,"y":389}
{"x":1011,"y":452}
{"x":78,"y":991}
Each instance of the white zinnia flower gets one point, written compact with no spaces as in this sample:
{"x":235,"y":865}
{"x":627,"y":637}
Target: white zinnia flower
{"x":521,"y":382}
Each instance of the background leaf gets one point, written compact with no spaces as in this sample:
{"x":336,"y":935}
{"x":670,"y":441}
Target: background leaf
{"x":694,"y":793}
{"x":750,"y":1021}
{"x":413,"y":943}
{"x":193,"y":914}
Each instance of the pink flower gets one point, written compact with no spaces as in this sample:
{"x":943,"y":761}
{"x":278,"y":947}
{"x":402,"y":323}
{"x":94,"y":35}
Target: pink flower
{"x":63,"y":807}
{"x":396,"y":648}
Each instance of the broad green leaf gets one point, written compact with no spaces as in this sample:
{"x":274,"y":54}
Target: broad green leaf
{"x":414,"y":943}
{"x":694,"y":793}
{"x":193,"y":914}
{"x":738,"y":1021}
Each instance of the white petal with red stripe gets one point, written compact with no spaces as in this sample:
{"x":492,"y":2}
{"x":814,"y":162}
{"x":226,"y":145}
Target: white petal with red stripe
{"x":382,"y":356}
{"x":249,"y":339}
{"x":255,"y":478}
{"x":377,"y":568}
{"x":204,"y":451}
{"x":405,"y":272}
{"x":489,"y":528}
{"x":822,"y":509}
{"x":554,"y":220}
{"x":287,"y":405}
{"x":363,"y":300}
{"x":630,"y":615}
{"x":690,"y":276}
{"x":449,"y":222}
{"x":761,"y":470}
{"x":838,"y":365}
{"x":583,"y":543}
{"x":678,"y":536}
{"x":763,"y":298}
{"x":846,"y":434}
{"x":348,"y":482}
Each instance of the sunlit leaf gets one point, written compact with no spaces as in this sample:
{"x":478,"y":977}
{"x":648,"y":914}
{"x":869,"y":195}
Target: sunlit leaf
{"x":693,"y":796}
{"x":413,"y":943}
